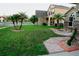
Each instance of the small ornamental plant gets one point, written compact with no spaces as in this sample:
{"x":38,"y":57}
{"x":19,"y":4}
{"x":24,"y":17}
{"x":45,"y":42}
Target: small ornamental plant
{"x":73,"y":37}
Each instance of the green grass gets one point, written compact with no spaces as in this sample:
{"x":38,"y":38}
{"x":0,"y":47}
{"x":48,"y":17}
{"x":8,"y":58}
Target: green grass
{"x":27,"y":42}
{"x":1,"y":26}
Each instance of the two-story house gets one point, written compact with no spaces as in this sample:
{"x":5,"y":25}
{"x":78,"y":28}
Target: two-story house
{"x":55,"y":9}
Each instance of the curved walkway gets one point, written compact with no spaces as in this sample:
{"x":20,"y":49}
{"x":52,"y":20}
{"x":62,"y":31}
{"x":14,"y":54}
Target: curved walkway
{"x":61,"y":32}
{"x":52,"y":44}
{"x":53,"y":47}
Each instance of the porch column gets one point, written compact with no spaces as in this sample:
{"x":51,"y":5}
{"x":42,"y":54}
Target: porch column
{"x":49,"y":21}
{"x":1,"y":19}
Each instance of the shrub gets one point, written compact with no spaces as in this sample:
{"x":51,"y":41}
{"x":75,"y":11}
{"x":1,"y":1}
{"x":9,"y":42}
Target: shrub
{"x":34,"y":19}
{"x":44,"y":24}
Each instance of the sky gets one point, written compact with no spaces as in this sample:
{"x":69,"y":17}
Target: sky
{"x":27,"y":8}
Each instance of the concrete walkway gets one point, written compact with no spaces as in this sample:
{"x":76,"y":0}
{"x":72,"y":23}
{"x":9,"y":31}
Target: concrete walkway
{"x":62,"y":32}
{"x":55,"y":50}
{"x":52,"y":44}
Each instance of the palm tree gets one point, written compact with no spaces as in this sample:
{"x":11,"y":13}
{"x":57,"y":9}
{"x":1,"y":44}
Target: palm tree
{"x":15,"y":18}
{"x":34,"y":19}
{"x":58,"y":17}
{"x":22,"y":16}
{"x":12,"y":19}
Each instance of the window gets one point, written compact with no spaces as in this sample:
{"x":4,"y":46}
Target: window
{"x":70,"y":19}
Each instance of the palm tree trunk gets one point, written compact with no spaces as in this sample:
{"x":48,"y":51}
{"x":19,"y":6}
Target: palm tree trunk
{"x":57,"y":22}
{"x":21,"y":24}
{"x":14,"y":24}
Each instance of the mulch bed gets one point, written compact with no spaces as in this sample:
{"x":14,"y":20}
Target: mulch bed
{"x":17,"y":30}
{"x":73,"y":47}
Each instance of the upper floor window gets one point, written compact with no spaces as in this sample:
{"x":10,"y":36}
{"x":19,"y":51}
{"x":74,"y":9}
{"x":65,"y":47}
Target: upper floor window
{"x":70,"y":19}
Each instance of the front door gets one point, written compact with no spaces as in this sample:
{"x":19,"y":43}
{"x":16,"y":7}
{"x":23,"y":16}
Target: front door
{"x":70,"y":21}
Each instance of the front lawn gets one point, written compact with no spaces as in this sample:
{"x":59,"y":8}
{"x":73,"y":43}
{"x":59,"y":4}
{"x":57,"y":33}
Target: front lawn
{"x":1,"y":26}
{"x":27,"y":42}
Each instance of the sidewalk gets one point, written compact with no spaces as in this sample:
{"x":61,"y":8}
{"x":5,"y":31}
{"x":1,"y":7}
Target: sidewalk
{"x":73,"y":53}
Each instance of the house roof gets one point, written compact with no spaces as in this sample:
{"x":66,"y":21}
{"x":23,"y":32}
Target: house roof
{"x":70,"y":10}
{"x":58,"y":6}
{"x":2,"y":17}
{"x":75,"y":3}
{"x":41,"y":13}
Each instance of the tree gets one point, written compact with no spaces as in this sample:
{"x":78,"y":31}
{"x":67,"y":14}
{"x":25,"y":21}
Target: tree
{"x":58,"y":17}
{"x":12,"y":19}
{"x":34,"y":19}
{"x":22,"y":17}
{"x":15,"y":18}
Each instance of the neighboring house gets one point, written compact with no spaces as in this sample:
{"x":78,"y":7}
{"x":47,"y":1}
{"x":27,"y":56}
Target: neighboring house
{"x":42,"y":16}
{"x":72,"y":18}
{"x":46,"y":16}
{"x":2,"y":18}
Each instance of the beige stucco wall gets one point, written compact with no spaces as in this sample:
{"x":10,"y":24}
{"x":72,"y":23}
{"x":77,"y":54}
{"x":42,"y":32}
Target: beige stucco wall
{"x":41,"y":20}
{"x":60,"y":10}
{"x":1,"y":19}
{"x":57,"y":10}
